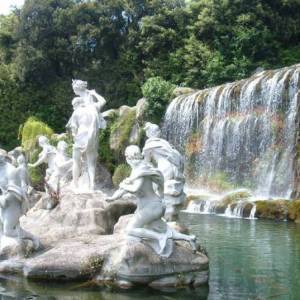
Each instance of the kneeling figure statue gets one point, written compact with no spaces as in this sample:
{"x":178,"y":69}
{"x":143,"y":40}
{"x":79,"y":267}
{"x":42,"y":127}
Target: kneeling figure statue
{"x":147,"y":183}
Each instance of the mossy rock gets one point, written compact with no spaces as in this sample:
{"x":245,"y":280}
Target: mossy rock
{"x":247,"y":209}
{"x":294,"y":211}
{"x":121,"y":130}
{"x":236,"y":196}
{"x":197,"y":199}
{"x":122,"y":171}
{"x":272,"y":209}
{"x":232,"y":197}
{"x":178,"y":91}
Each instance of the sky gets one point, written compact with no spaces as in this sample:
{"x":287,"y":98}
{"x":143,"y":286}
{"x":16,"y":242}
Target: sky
{"x":5,"y":5}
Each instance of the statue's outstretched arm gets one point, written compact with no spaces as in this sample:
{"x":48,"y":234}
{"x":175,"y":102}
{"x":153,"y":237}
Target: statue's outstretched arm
{"x":132,"y":187}
{"x":42,"y":159}
{"x":117,"y":194}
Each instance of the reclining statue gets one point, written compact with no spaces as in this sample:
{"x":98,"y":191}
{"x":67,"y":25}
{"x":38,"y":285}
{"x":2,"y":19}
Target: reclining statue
{"x":84,"y":125}
{"x":147,"y":183}
{"x":170,"y":163}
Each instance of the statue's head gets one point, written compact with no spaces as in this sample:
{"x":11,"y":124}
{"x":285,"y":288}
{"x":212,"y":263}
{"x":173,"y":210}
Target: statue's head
{"x":79,"y":86}
{"x":133,"y":154}
{"x":21,"y":160}
{"x":43,"y":140}
{"x":62,"y":146}
{"x":152,"y":130}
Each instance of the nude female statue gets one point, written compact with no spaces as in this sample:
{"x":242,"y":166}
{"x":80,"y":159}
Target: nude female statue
{"x":147,"y":220}
{"x":84,"y":124}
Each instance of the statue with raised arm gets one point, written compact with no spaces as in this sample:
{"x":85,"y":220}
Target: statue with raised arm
{"x":47,"y":156}
{"x":170,"y":163}
{"x":146,"y":182}
{"x":84,"y":125}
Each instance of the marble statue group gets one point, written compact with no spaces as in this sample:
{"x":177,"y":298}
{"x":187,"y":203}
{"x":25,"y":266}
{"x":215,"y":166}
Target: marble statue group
{"x":156,"y":179}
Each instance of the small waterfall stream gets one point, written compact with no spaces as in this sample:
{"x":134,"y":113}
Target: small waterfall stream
{"x":240,"y":134}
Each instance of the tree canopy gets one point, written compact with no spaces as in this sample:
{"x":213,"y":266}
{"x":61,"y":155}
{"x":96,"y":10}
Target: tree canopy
{"x":116,"y":45}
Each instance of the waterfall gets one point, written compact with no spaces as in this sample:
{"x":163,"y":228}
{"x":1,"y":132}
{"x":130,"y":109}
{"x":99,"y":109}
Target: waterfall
{"x":202,"y":207}
{"x":238,"y":210}
{"x":252,"y":212}
{"x":239,"y":134}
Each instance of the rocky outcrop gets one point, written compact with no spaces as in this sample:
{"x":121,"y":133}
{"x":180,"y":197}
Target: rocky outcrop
{"x":115,"y":260}
{"x":75,"y":215}
{"x":78,"y":244}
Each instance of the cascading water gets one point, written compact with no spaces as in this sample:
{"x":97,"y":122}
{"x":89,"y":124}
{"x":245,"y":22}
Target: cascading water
{"x":238,"y":210}
{"x":240,"y":134}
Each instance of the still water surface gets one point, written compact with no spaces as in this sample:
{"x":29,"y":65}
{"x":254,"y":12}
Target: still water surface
{"x":249,"y":259}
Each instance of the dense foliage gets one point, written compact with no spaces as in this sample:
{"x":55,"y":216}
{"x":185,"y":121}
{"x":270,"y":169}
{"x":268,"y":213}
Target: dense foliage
{"x":158,"y":93}
{"x":116,"y":45}
{"x":122,"y":171}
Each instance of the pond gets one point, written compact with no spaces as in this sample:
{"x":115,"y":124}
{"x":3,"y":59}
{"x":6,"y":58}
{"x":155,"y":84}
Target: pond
{"x":249,"y":259}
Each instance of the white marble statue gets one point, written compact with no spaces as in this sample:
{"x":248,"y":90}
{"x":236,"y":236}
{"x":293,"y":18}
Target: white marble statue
{"x":170,"y":163}
{"x":5,"y":168}
{"x":14,"y":201}
{"x":14,"y":154}
{"x":47,"y":156}
{"x":58,"y":170}
{"x":62,"y":167}
{"x":22,"y":170}
{"x":146,"y":182}
{"x":84,"y":124}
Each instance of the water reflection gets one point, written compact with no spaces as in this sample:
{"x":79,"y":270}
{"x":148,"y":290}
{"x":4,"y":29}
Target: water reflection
{"x":249,"y":259}
{"x":12,"y":287}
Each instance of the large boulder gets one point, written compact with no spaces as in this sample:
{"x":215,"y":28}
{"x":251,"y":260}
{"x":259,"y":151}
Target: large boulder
{"x":272,"y":209}
{"x":115,"y":260}
{"x":74,"y":216}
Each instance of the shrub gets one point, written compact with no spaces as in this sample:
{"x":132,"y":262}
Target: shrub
{"x":120,"y":132}
{"x":30,"y":131}
{"x":122,"y":171}
{"x":158,"y":93}
{"x":37,"y":174}
{"x":106,"y":155}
